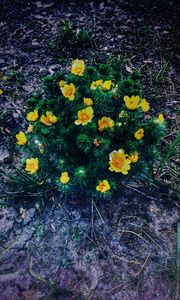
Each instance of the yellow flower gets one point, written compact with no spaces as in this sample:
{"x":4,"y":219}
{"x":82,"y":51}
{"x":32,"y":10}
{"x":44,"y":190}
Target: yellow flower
{"x":144,"y":105}
{"x":134,"y":157}
{"x":30,"y":128}
{"x":61,"y":83}
{"x":103,"y":186}
{"x":132,"y":103}
{"x":97,"y":83}
{"x":107,"y":85}
{"x":139,"y":134}
{"x":77,"y":67}
{"x":85,"y":116}
{"x":119,"y":162}
{"x":21,"y":138}
{"x":32,"y":116}
{"x":49,"y":119}
{"x":32,"y":165}
{"x":64,"y":177}
{"x":105,"y":123}
{"x":1,"y":92}
{"x":68,"y":91}
{"x":159,"y":119}
{"x":88,"y":101}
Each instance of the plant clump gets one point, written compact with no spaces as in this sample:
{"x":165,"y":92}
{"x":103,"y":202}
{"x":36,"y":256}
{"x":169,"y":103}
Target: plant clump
{"x":70,"y":37}
{"x":89,"y":131}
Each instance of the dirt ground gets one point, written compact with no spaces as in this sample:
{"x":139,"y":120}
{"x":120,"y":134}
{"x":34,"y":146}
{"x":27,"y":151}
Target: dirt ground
{"x":119,"y":250}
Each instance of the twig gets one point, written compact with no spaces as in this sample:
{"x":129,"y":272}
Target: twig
{"x":143,"y":194}
{"x":22,"y":192}
{"x":99,"y":212}
{"x":92,"y":217}
{"x":170,"y":134}
{"x":133,"y":217}
{"x":89,"y":238}
{"x":119,"y":257}
{"x":35,"y":274}
{"x":148,"y":236}
{"x":126,"y":260}
{"x":137,"y":274}
{"x":167,"y":96}
{"x":94,"y":24}
{"x":11,"y":246}
{"x":133,"y":232}
{"x":116,"y":287}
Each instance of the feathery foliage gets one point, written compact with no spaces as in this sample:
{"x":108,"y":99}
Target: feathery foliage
{"x":89,"y":131}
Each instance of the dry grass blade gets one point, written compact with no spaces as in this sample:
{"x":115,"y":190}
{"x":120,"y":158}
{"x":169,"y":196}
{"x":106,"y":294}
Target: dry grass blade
{"x":35,"y":274}
{"x":142,"y":267}
{"x":133,"y":232}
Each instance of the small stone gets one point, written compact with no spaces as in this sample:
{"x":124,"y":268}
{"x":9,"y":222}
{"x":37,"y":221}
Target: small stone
{"x":7,"y":217}
{"x":29,"y":215}
{"x":4,"y":153}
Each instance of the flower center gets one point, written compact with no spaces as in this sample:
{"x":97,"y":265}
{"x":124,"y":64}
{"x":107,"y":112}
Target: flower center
{"x":118,"y":163}
{"x":102,"y":185}
{"x":105,"y":123}
{"x":32,"y":165}
{"x":47,"y":120}
{"x":70,"y":92}
{"x":79,"y":70}
{"x":84,"y":117}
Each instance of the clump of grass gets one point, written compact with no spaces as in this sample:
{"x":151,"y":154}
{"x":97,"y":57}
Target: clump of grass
{"x":162,"y":75}
{"x":21,"y":185}
{"x":168,"y":170}
{"x":70,"y":37}
{"x":170,"y":152}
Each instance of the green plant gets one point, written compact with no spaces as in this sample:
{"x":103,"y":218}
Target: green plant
{"x":162,"y":74}
{"x":70,"y":37}
{"x":88,"y":132}
{"x":169,"y":154}
{"x":168,"y":170}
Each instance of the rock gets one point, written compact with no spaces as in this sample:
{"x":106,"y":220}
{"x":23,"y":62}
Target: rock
{"x":4,"y":154}
{"x":18,"y":231}
{"x":12,"y":292}
{"x":28,"y":88}
{"x":33,"y":294}
{"x":25,"y":236}
{"x":24,"y":280}
{"x":38,"y":4}
{"x":7,"y":217}
{"x":8,"y":277}
{"x":29,"y":215}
